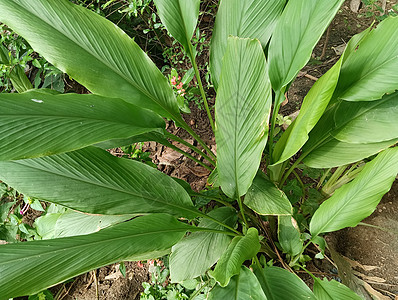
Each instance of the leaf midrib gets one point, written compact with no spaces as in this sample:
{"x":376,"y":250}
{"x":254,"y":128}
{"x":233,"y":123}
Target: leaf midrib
{"x":28,"y":116}
{"x":110,"y":187}
{"x":107,"y":240}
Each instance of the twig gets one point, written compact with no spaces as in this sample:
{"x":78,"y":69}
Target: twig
{"x":311,"y":77}
{"x":96,"y":284}
{"x":325,"y":45}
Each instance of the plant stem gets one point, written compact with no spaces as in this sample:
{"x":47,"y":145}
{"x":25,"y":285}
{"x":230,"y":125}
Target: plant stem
{"x":258,"y":264}
{"x":202,"y":91}
{"x":204,"y":229}
{"x":301,"y":183}
{"x":220,"y":223}
{"x":192,"y":147}
{"x":291,"y":170}
{"x":277,"y":105}
{"x":188,"y":129}
{"x":323,"y":178}
{"x":242,"y":211}
{"x":189,"y":156}
{"x":199,"y":290}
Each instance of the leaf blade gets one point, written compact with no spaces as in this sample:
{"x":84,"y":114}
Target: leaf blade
{"x":201,"y":250}
{"x":36,"y":264}
{"x":242,"y":286}
{"x":266,"y":199}
{"x":356,"y":200}
{"x":245,"y":19}
{"x":280,"y":284}
{"x":239,"y":250}
{"x":93,"y":181}
{"x":292,"y":43}
{"x":92,"y":50}
{"x":180,"y":18}
{"x":243,"y":106}
{"x":34,"y":123}
{"x":369,"y":72}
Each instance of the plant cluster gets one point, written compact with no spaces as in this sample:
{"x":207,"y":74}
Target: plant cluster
{"x":249,"y":240}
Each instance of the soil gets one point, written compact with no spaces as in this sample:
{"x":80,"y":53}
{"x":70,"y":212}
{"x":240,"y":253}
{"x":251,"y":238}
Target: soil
{"x":106,"y":283}
{"x":364,"y":246}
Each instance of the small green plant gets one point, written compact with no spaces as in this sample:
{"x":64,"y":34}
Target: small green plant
{"x":160,"y":287}
{"x":374,"y":9}
{"x":243,"y":236}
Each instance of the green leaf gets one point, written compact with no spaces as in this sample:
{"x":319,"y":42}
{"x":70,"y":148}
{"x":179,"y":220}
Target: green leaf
{"x":242,"y":111}
{"x":72,"y":223}
{"x":370,"y":71}
{"x":92,"y":50}
{"x":356,"y":200}
{"x":331,"y":290}
{"x":30,"y":267}
{"x":280,"y":284}
{"x":240,"y":249}
{"x":314,"y":104}
{"x":245,"y":19}
{"x":335,"y":153}
{"x":36,"y":124}
{"x":297,"y":32}
{"x":289,"y":235}
{"x":45,"y":225}
{"x":243,"y":286}
{"x":180,"y":18}
{"x":266,"y":199}
{"x":364,"y":128}
{"x":367,"y":122}
{"x":93,"y":181}
{"x":201,"y":250}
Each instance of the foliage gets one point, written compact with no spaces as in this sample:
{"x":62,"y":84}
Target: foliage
{"x":52,"y":148}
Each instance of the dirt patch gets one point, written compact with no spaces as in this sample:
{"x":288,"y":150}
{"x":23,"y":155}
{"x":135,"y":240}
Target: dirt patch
{"x":106,"y":283}
{"x":373,"y":246}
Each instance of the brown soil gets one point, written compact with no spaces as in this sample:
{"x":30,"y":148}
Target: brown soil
{"x":106,"y":283}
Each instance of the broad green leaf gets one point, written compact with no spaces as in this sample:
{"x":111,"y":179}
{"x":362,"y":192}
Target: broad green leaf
{"x":201,"y":250}
{"x":45,"y":225}
{"x":356,"y":200}
{"x":245,"y":19}
{"x":242,"y":112}
{"x":72,"y":223}
{"x":297,"y":32}
{"x":266,"y":199}
{"x":243,"y":286}
{"x":335,"y":153}
{"x":289,"y":235}
{"x":370,"y":71}
{"x":240,"y":249}
{"x":180,"y":18}
{"x":93,"y":181}
{"x":379,"y":117}
{"x":331,"y":290}
{"x":361,"y":121}
{"x":314,"y":104}
{"x":280,"y":284}
{"x":27,"y":268}
{"x":34,"y":123}
{"x":92,"y":50}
